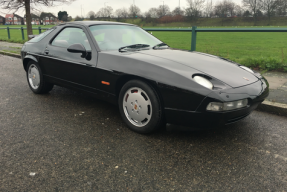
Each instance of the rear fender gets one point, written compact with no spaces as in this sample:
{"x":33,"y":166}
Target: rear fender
{"x":26,"y":60}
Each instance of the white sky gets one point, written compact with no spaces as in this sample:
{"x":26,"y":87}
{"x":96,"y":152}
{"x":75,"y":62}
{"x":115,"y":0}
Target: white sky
{"x":74,"y":8}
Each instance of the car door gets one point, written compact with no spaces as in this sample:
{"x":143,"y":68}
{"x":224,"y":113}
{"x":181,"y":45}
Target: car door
{"x":70,"y":69}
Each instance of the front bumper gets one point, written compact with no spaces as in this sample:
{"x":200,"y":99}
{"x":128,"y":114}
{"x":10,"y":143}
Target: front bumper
{"x":207,"y":120}
{"x":202,"y":119}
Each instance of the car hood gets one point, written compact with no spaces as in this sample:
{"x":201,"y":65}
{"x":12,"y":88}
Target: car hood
{"x":216,"y":67}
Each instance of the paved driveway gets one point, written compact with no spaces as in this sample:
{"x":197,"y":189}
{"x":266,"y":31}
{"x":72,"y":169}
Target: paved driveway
{"x":66,"y":141}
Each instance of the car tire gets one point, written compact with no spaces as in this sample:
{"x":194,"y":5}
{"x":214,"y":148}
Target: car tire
{"x":35,"y":79}
{"x":140,"y":107}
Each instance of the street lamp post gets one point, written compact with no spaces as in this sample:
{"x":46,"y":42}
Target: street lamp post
{"x":133,"y":8}
{"x":105,"y":10}
{"x":163,"y":8}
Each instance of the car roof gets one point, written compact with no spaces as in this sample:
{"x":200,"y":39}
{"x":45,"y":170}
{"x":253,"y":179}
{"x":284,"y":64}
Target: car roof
{"x":89,"y":23}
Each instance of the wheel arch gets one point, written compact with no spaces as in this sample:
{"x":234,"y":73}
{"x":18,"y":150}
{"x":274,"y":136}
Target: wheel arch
{"x":27,"y":59}
{"x":124,"y":79}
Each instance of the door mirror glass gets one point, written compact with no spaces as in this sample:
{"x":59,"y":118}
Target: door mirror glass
{"x":78,"y":48}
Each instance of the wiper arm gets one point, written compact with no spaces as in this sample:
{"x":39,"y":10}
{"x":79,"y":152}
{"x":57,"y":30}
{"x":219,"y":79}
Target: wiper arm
{"x":158,"y":46}
{"x":134,"y":47}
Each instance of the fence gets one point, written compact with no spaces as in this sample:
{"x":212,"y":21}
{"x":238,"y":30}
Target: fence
{"x":193,"y":31}
{"x":22,"y":31}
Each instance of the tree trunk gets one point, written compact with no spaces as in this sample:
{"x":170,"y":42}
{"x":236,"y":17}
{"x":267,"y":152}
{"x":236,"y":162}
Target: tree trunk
{"x":254,"y":17}
{"x":269,"y":16}
{"x":28,"y":18}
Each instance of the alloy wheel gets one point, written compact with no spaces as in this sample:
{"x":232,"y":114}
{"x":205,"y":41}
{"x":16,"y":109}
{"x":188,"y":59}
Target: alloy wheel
{"x":137,"y":106}
{"x":34,"y":76}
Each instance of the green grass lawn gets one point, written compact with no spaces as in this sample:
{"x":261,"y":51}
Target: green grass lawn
{"x":259,"y":50}
{"x":15,"y":34}
{"x":264,"y":50}
{"x":237,"y":46}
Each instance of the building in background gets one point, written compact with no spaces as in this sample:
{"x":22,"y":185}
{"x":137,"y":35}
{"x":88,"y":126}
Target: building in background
{"x":9,"y":19}
{"x":14,"y":19}
{"x":2,"y":20}
{"x":50,"y":19}
{"x":43,"y":19}
{"x":35,"y":19}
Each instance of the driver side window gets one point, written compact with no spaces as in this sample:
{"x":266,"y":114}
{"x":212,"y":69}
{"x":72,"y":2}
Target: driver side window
{"x":70,"y":36}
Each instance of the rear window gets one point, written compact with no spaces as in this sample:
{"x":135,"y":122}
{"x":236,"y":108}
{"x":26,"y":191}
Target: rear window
{"x":41,"y":36}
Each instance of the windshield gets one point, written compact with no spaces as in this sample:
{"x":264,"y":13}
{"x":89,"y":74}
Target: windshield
{"x":113,"y":37}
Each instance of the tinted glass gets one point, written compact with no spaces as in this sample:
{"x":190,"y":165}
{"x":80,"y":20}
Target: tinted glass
{"x":112,"y":37}
{"x":70,"y":36}
{"x":41,"y":36}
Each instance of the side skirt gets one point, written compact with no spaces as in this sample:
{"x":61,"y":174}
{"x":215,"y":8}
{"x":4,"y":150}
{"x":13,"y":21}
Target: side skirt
{"x":87,"y":90}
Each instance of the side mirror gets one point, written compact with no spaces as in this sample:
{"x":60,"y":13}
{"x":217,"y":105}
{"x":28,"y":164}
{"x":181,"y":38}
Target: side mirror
{"x":78,"y":48}
{"x":31,"y":36}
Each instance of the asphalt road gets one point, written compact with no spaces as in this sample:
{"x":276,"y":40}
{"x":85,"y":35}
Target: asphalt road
{"x":66,"y":141}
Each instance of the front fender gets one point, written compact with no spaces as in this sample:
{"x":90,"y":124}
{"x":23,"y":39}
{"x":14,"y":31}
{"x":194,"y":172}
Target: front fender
{"x":174,"y":80}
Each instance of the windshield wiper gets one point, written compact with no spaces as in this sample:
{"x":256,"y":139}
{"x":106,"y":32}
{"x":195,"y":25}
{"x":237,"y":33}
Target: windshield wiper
{"x":134,"y":47}
{"x":161,"y":46}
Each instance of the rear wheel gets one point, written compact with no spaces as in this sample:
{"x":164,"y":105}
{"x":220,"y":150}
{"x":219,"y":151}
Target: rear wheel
{"x":140,"y":107}
{"x":35,"y":79}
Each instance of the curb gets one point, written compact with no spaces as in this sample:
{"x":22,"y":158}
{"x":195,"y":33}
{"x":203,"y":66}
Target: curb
{"x":265,"y":106}
{"x":273,"y":107}
{"x":10,"y":54}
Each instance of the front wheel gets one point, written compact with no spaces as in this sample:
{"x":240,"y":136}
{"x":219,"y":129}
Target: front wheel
{"x":35,"y":79}
{"x":140,"y":107}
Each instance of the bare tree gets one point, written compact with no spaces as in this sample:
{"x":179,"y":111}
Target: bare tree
{"x":253,"y":5}
{"x":220,"y":10}
{"x":105,"y":12}
{"x":152,"y":13}
{"x":238,"y":10}
{"x":69,"y":18}
{"x":28,"y":5}
{"x":208,"y":8}
{"x":224,"y":8}
{"x":134,"y":11}
{"x":91,"y":15}
{"x":177,"y":11}
{"x":246,"y":13}
{"x":194,"y":8}
{"x":231,"y":7}
{"x":108,"y":11}
{"x":163,"y":10}
{"x":100,"y":13}
{"x":77,"y":18}
{"x":122,"y":13}
{"x":282,"y":9}
{"x":118,"y":13}
{"x":270,"y":6}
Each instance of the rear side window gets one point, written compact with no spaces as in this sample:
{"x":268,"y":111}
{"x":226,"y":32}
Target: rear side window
{"x":70,"y":36}
{"x":41,"y":36}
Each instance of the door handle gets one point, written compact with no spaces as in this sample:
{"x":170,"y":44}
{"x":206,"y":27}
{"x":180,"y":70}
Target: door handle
{"x":47,"y":51}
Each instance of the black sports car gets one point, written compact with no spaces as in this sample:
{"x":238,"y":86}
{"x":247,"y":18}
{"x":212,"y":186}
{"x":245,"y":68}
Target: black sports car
{"x":151,"y":83}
